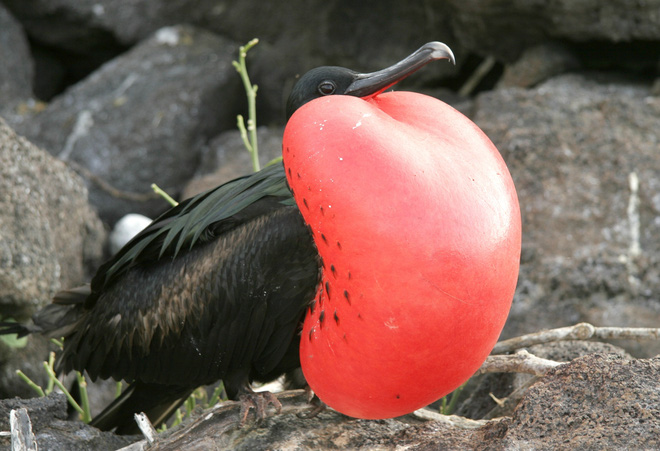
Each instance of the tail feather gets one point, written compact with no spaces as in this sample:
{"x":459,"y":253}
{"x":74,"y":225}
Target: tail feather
{"x":54,"y":320}
{"x":158,"y":402}
{"x":76,"y":295}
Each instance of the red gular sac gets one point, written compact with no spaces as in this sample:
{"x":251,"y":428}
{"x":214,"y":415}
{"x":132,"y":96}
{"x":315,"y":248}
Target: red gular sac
{"x":416,"y":219}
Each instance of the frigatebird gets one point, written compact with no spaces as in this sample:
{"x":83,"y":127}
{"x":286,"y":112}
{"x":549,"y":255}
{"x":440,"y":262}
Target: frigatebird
{"x":215,"y":288}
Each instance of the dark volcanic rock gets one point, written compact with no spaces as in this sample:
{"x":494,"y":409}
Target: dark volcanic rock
{"x":538,"y":64}
{"x":49,"y":232}
{"x":142,"y":118}
{"x":295,"y":36}
{"x":49,"y":235}
{"x":52,"y":431}
{"x":16,"y":70}
{"x":505,"y":29}
{"x":595,"y":402}
{"x":509,"y":388}
{"x":226,"y":158}
{"x":584,"y":156}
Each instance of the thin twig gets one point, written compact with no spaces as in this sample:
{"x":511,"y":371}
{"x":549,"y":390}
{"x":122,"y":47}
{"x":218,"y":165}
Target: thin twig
{"x":22,"y":437}
{"x":146,"y":427}
{"x":450,"y":420}
{"x":581,"y":331}
{"x":506,"y":405}
{"x":520,"y":362}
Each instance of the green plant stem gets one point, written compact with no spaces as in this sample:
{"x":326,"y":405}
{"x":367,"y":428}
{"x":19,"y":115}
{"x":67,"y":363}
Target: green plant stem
{"x":190,"y":404}
{"x":246,"y":141}
{"x":31,"y":383}
{"x":273,"y":161}
{"x":157,"y":189}
{"x":84,"y":399}
{"x":448,"y":408}
{"x":251,"y":92}
{"x":217,"y":393}
{"x":61,"y":386}
{"x":51,"y":364}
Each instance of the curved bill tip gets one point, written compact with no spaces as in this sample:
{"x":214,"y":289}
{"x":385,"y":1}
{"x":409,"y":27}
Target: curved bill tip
{"x":373,"y":83}
{"x":439,"y":51}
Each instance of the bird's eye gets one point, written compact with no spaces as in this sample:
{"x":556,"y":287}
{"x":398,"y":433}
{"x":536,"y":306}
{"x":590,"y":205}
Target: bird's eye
{"x":326,"y":88}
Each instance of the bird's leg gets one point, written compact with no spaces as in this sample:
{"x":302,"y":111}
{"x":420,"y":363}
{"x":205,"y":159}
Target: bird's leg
{"x":318,"y":406}
{"x":238,"y":388}
{"x":258,"y":401}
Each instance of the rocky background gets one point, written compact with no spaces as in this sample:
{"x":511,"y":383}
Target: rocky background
{"x":100,"y":99}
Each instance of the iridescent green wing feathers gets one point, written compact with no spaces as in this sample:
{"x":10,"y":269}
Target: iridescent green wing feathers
{"x":198,"y":220}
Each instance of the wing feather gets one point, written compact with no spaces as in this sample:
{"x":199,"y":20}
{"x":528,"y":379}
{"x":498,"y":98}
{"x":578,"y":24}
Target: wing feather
{"x":197,"y":220}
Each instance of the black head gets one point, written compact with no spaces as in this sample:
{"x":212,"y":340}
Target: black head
{"x":333,"y":80}
{"x":319,"y":82}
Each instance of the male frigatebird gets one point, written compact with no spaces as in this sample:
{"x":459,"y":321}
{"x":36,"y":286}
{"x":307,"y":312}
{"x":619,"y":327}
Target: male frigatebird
{"x":215,"y":288}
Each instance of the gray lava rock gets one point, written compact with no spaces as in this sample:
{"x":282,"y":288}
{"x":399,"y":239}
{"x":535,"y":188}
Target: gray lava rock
{"x":510,"y":388}
{"x":49,"y":232}
{"x":16,"y":70}
{"x":595,"y":402}
{"x":505,"y":29}
{"x":142,"y":118}
{"x":295,"y":36}
{"x":584,"y":156}
{"x":538,"y":64}
{"x":49,"y":236}
{"x":52,"y":431}
{"x":226,"y":158}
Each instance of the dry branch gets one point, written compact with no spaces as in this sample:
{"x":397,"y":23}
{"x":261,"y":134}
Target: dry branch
{"x":581,"y":331}
{"x":520,"y":362}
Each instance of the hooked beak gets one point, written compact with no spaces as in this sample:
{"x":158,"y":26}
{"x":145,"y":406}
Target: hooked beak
{"x":371,"y":84}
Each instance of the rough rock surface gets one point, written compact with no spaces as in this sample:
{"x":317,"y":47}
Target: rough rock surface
{"x":52,"y":430}
{"x":509,"y":388}
{"x":49,"y":236}
{"x":505,"y":29}
{"x":538,"y":64}
{"x":226,"y":158}
{"x":583,"y":152}
{"x":597,"y":401}
{"x":16,"y":70}
{"x":49,"y":232}
{"x":142,"y":118}
{"x":295,"y":35}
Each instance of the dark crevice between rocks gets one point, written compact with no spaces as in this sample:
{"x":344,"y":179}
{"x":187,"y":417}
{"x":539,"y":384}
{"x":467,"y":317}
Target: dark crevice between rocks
{"x":640,"y":58}
{"x":57,"y":68}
